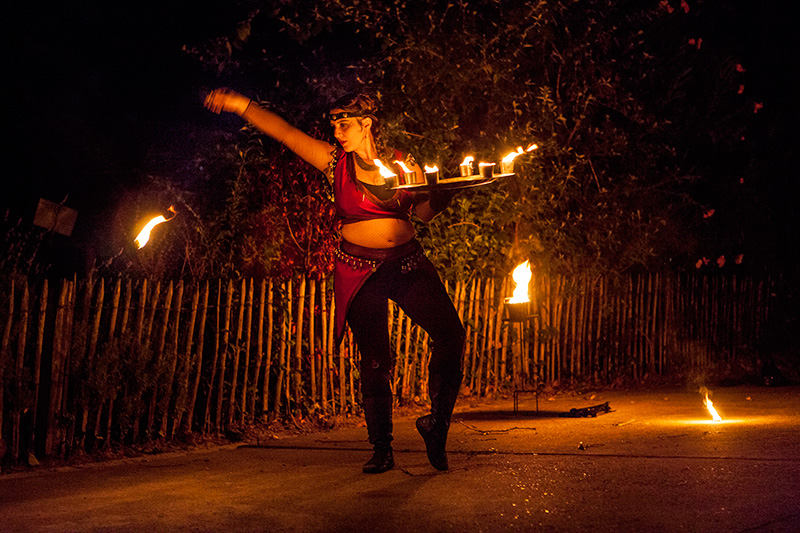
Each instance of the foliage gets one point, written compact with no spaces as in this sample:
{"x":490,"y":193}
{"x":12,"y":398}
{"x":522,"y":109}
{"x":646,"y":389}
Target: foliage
{"x":636,"y":121}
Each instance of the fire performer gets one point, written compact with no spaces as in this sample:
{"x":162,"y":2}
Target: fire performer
{"x":378,"y":259}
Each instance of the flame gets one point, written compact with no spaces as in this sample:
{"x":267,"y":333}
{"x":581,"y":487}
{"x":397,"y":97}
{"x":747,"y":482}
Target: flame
{"x":509,"y":157}
{"x":385,"y":172}
{"x":467,"y":160}
{"x":144,"y":235}
{"x":482,"y":164}
{"x":522,"y":276}
{"x":532,"y":147}
{"x":402,"y":165}
{"x":428,"y":169}
{"x":710,"y":406}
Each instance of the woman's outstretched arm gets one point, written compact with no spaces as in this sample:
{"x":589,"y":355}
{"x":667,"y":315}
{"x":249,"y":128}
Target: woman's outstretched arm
{"x":315,"y":152}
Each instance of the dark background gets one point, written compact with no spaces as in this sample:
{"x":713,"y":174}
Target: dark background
{"x":100,"y":96}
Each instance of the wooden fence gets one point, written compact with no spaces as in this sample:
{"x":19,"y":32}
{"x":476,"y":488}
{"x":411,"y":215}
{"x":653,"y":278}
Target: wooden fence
{"x":87,"y":362}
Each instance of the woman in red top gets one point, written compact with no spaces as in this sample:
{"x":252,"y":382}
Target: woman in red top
{"x":378,"y":259}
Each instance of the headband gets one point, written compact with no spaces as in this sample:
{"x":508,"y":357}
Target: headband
{"x":350,"y":114}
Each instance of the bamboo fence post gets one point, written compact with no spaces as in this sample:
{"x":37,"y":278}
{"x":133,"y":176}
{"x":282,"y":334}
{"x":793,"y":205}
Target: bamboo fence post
{"x":248,"y":336}
{"x":186,"y":423}
{"x":482,"y":357}
{"x":268,"y":363}
{"x":331,"y":348}
{"x":312,"y":362}
{"x":55,"y":369}
{"x":225,"y":344}
{"x":324,"y":370}
{"x":488,"y":344}
{"x":94,"y":334}
{"x":504,"y":344}
{"x":205,"y":426}
{"x":158,"y":360}
{"x":281,"y":356}
{"x":351,"y":344}
{"x":172,"y":363}
{"x":109,"y":396}
{"x":423,"y":365}
{"x":414,"y":361}
{"x":137,"y":350}
{"x":499,"y":362}
{"x":298,"y":347}
{"x":237,"y":348}
{"x":123,"y":333}
{"x":342,"y":389}
{"x":406,"y":359}
{"x":16,"y":415}
{"x":287,"y":357}
{"x":65,"y":432}
{"x":398,"y":339}
{"x":262,"y":302}
{"x":37,"y":369}
{"x":4,"y":354}
{"x":601,"y":305}
{"x":184,"y":374}
{"x":469,"y":306}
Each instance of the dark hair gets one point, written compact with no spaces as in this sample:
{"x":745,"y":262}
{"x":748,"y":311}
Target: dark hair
{"x":361,"y":105}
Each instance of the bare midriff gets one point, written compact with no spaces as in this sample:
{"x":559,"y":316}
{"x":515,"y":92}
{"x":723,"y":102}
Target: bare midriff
{"x":378,"y":232}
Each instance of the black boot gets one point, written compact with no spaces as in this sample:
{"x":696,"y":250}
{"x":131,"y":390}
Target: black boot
{"x":434,"y":427}
{"x":381,"y":461}
{"x":434,"y":433}
{"x":378,"y":415}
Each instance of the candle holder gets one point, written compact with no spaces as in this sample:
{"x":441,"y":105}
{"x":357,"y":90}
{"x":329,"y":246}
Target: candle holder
{"x":465,"y":169}
{"x":391,"y":181}
{"x":507,"y":167}
{"x":409,"y":178}
{"x":487,"y":170}
{"x":518,"y":311}
{"x":432,"y":178}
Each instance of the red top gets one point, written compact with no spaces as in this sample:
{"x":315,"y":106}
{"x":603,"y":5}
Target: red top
{"x":355,"y":202}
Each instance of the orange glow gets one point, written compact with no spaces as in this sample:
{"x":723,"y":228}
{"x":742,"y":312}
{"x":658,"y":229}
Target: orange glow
{"x":509,"y":157}
{"x":467,"y":160}
{"x":522,"y":276}
{"x":144,"y":235}
{"x":385,"y":172}
{"x":710,"y":406}
{"x":428,"y":169}
{"x":532,"y":147}
{"x":405,"y":168}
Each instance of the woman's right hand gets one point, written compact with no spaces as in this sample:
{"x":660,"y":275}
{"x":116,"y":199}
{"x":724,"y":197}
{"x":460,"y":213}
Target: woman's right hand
{"x":223,"y":99}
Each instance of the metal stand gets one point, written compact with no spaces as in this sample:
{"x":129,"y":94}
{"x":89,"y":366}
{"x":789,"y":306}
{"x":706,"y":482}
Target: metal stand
{"x":520,"y":313}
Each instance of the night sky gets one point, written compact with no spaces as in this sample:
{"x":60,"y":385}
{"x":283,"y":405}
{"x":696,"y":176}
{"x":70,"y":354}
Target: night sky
{"x":101,"y":95}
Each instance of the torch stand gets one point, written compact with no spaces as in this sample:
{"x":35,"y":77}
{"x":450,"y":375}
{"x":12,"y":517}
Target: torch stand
{"x":519,"y":313}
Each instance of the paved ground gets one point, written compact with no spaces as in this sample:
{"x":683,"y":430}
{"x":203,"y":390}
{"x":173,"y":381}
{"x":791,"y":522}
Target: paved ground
{"x":655,"y":463}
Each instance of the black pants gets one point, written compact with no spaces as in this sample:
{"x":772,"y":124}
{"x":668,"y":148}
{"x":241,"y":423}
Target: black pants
{"x":416,"y":287}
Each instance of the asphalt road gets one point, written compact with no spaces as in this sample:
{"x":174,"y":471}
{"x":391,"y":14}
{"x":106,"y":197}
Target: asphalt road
{"x":655,"y":463}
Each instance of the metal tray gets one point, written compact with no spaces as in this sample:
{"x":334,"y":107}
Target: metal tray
{"x":461,"y":182}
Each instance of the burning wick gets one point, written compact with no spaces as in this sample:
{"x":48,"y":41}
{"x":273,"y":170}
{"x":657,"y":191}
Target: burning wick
{"x":522,"y":276}
{"x":509,"y":157}
{"x":431,"y":175}
{"x":385,"y":172}
{"x":465,"y":168}
{"x":388,"y":176}
{"x":710,"y":406}
{"x":409,"y":176}
{"x":144,"y":235}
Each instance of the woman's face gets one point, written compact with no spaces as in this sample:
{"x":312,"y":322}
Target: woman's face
{"x":350,"y":134}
